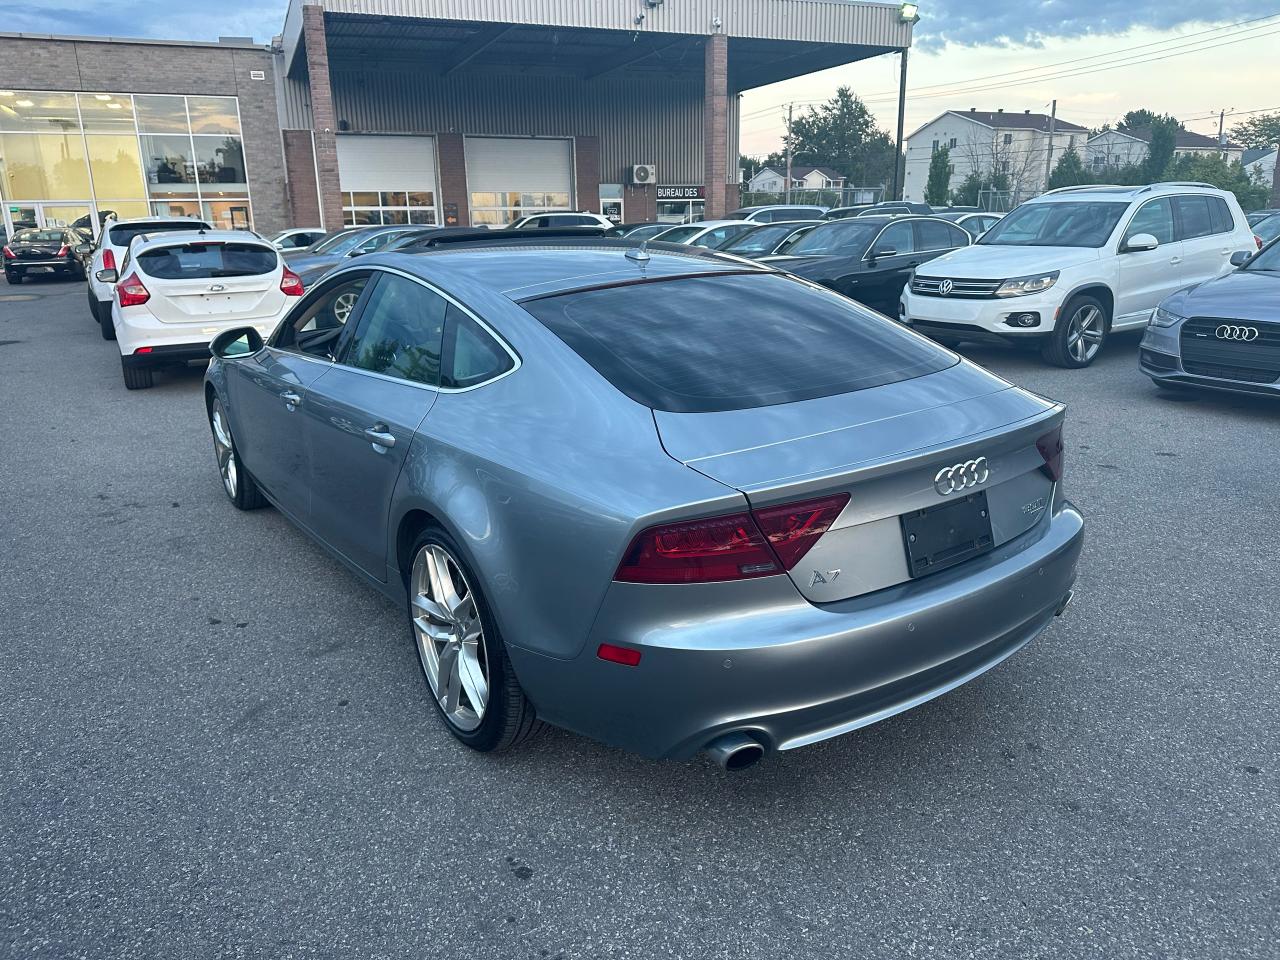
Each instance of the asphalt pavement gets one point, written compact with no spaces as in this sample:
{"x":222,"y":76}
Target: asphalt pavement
{"x":215,"y":742}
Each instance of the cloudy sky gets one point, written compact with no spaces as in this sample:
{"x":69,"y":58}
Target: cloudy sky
{"x":1174,"y":56}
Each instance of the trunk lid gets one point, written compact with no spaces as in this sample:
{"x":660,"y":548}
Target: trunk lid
{"x":195,"y":282}
{"x":884,"y":447}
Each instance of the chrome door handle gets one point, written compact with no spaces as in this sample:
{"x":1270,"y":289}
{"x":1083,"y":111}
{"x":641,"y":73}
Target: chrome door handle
{"x":1175,"y":260}
{"x":290,"y":398}
{"x":378,"y":436}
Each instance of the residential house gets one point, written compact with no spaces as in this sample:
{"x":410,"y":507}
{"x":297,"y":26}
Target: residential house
{"x":1115,"y":148}
{"x":989,"y":142}
{"x":1260,"y":164}
{"x":769,"y":180}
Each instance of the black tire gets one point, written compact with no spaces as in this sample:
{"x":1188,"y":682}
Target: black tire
{"x":106,"y":325}
{"x":13,"y":278}
{"x":95,"y":307}
{"x":509,"y":717}
{"x":242,"y":490}
{"x":1061,"y":350}
{"x":136,"y":378}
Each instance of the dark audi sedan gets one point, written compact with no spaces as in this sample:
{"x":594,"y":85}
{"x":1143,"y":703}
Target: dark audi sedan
{"x":50,"y":250}
{"x":670,"y":499}
{"x":1223,"y":334}
{"x":870,"y":258}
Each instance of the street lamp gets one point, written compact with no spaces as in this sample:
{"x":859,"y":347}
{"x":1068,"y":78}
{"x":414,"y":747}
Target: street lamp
{"x":909,"y":12}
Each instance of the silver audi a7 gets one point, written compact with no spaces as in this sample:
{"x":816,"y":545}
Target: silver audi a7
{"x":669,"y":499}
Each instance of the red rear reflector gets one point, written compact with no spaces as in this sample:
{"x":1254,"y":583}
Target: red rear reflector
{"x":9,"y":254}
{"x":1050,"y":447}
{"x":626,"y":656}
{"x":130,"y":291}
{"x":143,"y":350}
{"x":795,"y":527}
{"x":1258,"y":240}
{"x":108,"y":259}
{"x":291,"y":283}
{"x":698,"y":551}
{"x":64,"y":251}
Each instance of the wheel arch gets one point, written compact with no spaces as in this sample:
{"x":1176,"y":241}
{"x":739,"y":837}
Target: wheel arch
{"x":1093,"y":289}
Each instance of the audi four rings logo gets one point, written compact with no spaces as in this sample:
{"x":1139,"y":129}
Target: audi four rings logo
{"x":1231,"y":332}
{"x":962,"y":476}
{"x":945,"y":287}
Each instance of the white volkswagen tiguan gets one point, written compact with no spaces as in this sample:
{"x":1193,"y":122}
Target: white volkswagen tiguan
{"x":1068,"y":268}
{"x":175,"y":292}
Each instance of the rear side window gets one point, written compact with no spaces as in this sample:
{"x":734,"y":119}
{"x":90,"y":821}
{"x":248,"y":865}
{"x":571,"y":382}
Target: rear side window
{"x":200,"y":261}
{"x":1196,"y":220}
{"x":471,"y":355}
{"x":1223,"y":222}
{"x":932,"y":235}
{"x":122,"y":235}
{"x":702,"y":344}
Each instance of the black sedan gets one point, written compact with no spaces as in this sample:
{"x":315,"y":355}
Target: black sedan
{"x":870,"y":259}
{"x":767,"y":239}
{"x":48,"y":250}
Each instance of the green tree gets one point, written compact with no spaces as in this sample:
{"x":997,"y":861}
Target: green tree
{"x":1212,"y":168}
{"x":1140,"y":119}
{"x":842,"y":134}
{"x":1160,"y":148}
{"x":1069,"y":171}
{"x":935,"y":191}
{"x":1260,"y":131}
{"x":966,"y":195}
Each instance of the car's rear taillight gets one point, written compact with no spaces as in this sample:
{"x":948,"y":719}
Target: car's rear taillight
{"x":290,"y":283}
{"x":1050,"y":447}
{"x":795,"y":527}
{"x":9,"y":254}
{"x":108,"y":259}
{"x":64,"y":250}
{"x":1258,"y":240}
{"x":699,"y":551}
{"x":131,"y":293}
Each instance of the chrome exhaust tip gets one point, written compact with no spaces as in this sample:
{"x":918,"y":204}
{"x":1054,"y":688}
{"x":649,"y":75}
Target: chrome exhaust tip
{"x":1064,"y":603}
{"x":735,"y":751}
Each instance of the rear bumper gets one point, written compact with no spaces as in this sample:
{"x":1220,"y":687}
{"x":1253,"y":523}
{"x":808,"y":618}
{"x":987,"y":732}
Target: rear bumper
{"x":167,"y":354}
{"x":136,"y":327}
{"x":55,"y":266}
{"x":762,"y":660}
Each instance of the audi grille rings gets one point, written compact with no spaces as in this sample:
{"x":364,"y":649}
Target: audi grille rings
{"x":1229,"y":331}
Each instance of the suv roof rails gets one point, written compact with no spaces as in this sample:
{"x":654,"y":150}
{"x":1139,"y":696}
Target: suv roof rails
{"x":1184,"y":183}
{"x":1086,"y":186}
{"x":481,"y":235}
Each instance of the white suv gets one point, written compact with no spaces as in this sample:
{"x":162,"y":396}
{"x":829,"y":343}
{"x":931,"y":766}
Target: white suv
{"x":1069,"y":267}
{"x":175,"y":292}
{"x":109,"y":254}
{"x":567,"y":219}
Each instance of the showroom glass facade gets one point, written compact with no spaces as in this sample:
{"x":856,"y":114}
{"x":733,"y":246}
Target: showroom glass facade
{"x":500,"y":209}
{"x":373,"y":207}
{"x":76,"y":157}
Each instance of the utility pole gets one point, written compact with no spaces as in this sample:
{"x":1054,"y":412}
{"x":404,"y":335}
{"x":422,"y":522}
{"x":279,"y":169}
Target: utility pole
{"x":790,"y":107}
{"x":902,"y":114}
{"x":1222,"y":140}
{"x":1048,"y":160}
{"x":1275,"y":180}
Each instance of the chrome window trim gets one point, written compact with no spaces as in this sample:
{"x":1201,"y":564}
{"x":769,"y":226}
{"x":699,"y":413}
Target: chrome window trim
{"x":517,"y":362}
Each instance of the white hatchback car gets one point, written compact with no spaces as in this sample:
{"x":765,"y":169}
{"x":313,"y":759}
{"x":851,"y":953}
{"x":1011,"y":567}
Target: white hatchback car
{"x":1068,"y":268}
{"x":175,"y":292}
{"x":109,"y":253}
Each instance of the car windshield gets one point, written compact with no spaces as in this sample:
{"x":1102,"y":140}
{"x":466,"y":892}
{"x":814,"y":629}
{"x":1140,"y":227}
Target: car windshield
{"x":1267,"y":229}
{"x":1084,"y":223}
{"x":337,"y":242}
{"x":731,"y":342}
{"x":678,"y":234}
{"x":760,"y":240}
{"x":842,"y":237}
{"x":201,"y":261}
{"x":38,"y":236}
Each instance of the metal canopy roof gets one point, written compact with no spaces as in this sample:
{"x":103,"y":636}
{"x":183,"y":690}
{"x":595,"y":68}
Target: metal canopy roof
{"x":769,"y":40}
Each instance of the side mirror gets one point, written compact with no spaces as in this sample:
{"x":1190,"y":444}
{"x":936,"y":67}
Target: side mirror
{"x":883,"y":252}
{"x":239,"y":342}
{"x":1240,"y":258}
{"x":107,"y":276}
{"x":84,"y":249}
{"x":1140,"y":241}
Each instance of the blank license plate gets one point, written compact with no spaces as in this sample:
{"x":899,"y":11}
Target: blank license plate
{"x":942,"y":536}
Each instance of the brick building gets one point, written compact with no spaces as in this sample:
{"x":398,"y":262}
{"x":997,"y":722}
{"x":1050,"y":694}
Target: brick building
{"x":415,"y":111}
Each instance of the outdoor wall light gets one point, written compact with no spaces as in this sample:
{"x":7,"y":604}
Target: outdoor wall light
{"x":909,"y":12}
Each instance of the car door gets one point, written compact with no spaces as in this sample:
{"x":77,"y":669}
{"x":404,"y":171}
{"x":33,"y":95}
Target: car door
{"x":887,"y":267}
{"x":266,"y":392}
{"x":362,"y":415}
{"x":1145,"y":277}
{"x":1206,"y":253}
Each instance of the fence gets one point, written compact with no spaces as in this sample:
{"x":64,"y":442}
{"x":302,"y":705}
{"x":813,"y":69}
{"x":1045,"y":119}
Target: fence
{"x":836,"y":197}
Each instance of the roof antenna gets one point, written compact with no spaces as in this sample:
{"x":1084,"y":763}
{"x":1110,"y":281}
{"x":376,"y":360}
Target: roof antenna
{"x":639,"y":254}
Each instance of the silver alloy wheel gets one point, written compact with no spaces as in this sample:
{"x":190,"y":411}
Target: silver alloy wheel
{"x":1084,"y":333}
{"x":450,"y":637}
{"x":225,"y":452}
{"x":343,"y":304}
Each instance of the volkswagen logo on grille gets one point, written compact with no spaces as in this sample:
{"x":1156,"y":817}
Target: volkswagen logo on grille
{"x":1229,"y":331}
{"x":945,"y":287}
{"x":962,"y":476}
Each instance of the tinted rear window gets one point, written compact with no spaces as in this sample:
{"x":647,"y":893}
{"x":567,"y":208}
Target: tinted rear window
{"x":702,"y":344}
{"x":199,"y":261}
{"x":120,"y":236}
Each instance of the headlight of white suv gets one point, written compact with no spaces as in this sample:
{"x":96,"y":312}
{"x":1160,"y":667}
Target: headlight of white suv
{"x":1164,"y":318}
{"x":1021,"y":286}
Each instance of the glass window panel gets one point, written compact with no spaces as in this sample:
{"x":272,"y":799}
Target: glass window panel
{"x":213,"y":115}
{"x":558,"y":200}
{"x":106,"y":112}
{"x":38,"y":111}
{"x":364,"y":199}
{"x":492,"y":217}
{"x":220,"y":163}
{"x":401,"y":331}
{"x":395,"y":216}
{"x":176,"y":208}
{"x":43,"y":167}
{"x":228,"y":214}
{"x":161,"y":114}
{"x":364,"y":218}
{"x":422,"y":216}
{"x":113,"y":159}
{"x":534,"y":200}
{"x":169,"y":166}
{"x":422,"y":199}
{"x":391,"y":200}
{"x":485,"y":200}
{"x":513,"y":200}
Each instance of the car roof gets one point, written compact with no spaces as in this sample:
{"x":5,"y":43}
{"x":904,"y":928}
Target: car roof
{"x":523,"y":270}
{"x":172,"y":238}
{"x":1126,"y":193}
